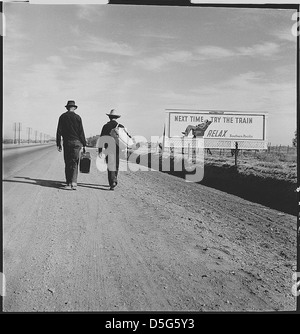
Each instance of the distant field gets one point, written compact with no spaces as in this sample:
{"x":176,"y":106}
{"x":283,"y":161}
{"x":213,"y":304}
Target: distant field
{"x":279,"y":164}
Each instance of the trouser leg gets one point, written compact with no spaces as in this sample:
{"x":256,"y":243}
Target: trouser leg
{"x":109,"y":163}
{"x":111,"y":177}
{"x":112,"y":168}
{"x":71,"y":155}
{"x":112,"y":174}
{"x":117,"y":166}
{"x":74,"y":161}
{"x":67,"y":164}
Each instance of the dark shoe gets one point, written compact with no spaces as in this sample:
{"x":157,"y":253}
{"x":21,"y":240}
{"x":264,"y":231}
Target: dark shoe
{"x":113,"y":186}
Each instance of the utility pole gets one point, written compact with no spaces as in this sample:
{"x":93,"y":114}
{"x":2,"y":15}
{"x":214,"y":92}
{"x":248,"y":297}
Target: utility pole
{"x":19,"y":129}
{"x":29,"y":131}
{"x":15,"y":133}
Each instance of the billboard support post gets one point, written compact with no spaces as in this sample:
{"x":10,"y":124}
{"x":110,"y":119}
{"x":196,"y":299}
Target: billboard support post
{"x":236,"y":153}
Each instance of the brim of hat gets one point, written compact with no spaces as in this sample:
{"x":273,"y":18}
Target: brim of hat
{"x":113,"y":115}
{"x":71,"y":106}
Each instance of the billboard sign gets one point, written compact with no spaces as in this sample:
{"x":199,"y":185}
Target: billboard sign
{"x":218,"y":128}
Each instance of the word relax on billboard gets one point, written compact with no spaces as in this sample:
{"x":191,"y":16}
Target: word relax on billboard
{"x":223,"y":129}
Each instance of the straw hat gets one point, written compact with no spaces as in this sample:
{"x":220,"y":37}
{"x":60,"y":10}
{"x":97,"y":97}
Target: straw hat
{"x":113,"y":114}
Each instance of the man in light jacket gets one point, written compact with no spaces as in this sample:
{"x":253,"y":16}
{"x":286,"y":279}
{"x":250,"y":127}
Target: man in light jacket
{"x":113,"y":157}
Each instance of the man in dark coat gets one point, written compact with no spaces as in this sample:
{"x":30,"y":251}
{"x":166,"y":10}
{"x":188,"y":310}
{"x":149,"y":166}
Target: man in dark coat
{"x":113,"y":157}
{"x":71,"y":129}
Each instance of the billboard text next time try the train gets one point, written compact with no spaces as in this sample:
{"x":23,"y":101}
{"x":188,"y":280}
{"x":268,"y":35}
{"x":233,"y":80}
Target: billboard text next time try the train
{"x":225,"y":128}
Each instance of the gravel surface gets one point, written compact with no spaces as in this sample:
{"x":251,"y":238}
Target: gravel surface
{"x":156,"y":243}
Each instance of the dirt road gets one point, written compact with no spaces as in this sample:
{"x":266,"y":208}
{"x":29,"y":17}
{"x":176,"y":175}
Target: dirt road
{"x":156,"y":243}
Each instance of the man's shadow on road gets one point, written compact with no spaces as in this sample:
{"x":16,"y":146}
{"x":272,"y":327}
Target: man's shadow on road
{"x":55,"y":184}
{"x":94,"y":186}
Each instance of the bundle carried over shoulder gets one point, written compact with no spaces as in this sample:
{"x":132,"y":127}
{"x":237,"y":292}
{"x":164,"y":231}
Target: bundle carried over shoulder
{"x":122,"y":138}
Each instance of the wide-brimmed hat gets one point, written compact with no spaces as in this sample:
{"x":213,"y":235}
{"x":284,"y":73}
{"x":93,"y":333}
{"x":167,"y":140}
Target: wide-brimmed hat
{"x":71,"y":103}
{"x":113,"y":114}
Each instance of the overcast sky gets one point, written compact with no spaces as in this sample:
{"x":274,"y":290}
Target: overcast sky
{"x":141,"y":60}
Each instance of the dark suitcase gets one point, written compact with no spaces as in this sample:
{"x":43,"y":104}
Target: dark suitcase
{"x":85,"y":162}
